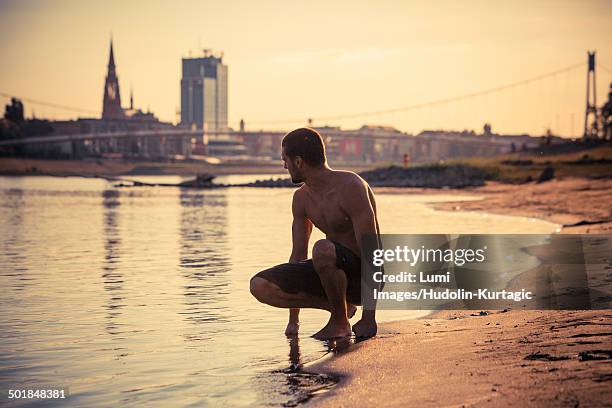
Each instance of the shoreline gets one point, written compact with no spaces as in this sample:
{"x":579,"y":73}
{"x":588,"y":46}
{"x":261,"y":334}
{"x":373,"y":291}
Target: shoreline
{"x":577,"y":204}
{"x":513,"y":357}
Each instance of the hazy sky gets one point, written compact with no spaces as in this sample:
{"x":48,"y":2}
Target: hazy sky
{"x":290,"y":60}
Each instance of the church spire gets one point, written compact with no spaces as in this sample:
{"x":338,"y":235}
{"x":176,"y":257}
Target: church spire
{"x":111,"y":104}
{"x":111,"y":57}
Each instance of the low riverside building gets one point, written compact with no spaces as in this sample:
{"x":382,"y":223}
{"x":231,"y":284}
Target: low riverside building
{"x":435,"y":145}
{"x":372,"y":144}
{"x":140,"y":144}
{"x":385,"y":144}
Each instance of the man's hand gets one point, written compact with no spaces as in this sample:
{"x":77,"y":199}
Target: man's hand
{"x":365,"y":328}
{"x":292,"y":329}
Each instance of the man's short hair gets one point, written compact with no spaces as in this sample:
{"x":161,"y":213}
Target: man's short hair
{"x":306,"y":143}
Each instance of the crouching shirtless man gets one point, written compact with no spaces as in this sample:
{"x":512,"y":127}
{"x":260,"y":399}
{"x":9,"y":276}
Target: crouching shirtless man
{"x":341,"y":204}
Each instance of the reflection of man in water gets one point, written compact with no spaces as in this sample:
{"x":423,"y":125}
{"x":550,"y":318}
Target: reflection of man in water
{"x":341,"y":204}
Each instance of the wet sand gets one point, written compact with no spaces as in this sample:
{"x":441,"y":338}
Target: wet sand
{"x":522,"y":358}
{"x":517,"y":357}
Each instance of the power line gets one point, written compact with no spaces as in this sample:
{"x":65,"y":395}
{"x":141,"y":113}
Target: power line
{"x":49,"y":104}
{"x":432,"y":103}
{"x":361,"y":114}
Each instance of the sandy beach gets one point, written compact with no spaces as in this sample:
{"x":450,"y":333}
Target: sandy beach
{"x":517,"y":358}
{"x":510,"y":358}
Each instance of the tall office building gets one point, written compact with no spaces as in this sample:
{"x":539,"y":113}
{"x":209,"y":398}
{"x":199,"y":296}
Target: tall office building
{"x":204,"y":93}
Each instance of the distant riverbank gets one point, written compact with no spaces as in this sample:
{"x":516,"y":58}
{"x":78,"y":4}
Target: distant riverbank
{"x":12,"y":166}
{"x":515,"y":168}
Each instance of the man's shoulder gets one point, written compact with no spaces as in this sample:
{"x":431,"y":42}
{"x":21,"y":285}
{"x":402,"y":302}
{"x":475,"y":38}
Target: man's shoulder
{"x":350,"y":180}
{"x":299,"y":193}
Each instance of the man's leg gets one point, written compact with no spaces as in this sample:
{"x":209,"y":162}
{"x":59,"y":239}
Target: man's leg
{"x":333,"y":280}
{"x":292,"y":285}
{"x":271,"y":294}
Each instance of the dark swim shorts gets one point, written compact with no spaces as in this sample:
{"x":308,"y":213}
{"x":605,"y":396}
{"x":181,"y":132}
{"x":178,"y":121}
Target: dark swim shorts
{"x":302,"y":277}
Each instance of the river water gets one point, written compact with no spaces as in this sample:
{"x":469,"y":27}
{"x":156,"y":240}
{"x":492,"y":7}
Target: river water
{"x":139,"y":296}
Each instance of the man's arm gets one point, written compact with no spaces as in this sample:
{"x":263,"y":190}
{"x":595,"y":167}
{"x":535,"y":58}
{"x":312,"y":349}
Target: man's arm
{"x":301,"y":229}
{"x":361,"y":208}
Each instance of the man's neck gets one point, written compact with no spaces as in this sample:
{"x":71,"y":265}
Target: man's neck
{"x":318,"y":179}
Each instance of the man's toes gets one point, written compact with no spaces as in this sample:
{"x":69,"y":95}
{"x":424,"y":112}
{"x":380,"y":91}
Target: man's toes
{"x":333,"y":332}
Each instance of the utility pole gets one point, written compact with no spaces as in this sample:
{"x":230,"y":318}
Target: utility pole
{"x":591,"y":130}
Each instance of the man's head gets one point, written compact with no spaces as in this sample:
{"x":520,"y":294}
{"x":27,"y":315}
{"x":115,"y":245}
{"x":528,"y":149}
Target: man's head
{"x":303,"y":150}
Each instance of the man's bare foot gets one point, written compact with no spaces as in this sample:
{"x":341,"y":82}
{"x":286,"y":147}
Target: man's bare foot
{"x":333,"y":331}
{"x":351,"y":310}
{"x":365,"y":328}
{"x":292,"y":329}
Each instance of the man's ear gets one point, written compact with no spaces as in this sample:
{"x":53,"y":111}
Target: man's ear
{"x":298,"y":161}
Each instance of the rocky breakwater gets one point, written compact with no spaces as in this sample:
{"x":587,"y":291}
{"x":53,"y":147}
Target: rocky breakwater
{"x":273,"y":182}
{"x":429,"y":176}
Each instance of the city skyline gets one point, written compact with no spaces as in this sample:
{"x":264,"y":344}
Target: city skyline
{"x":310,"y":60}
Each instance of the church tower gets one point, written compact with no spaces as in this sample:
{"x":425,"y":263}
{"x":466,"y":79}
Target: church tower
{"x":111,"y":108}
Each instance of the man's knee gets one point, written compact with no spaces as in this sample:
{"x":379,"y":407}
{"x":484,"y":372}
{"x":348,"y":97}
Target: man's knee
{"x":260,"y":289}
{"x":323,"y":254}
